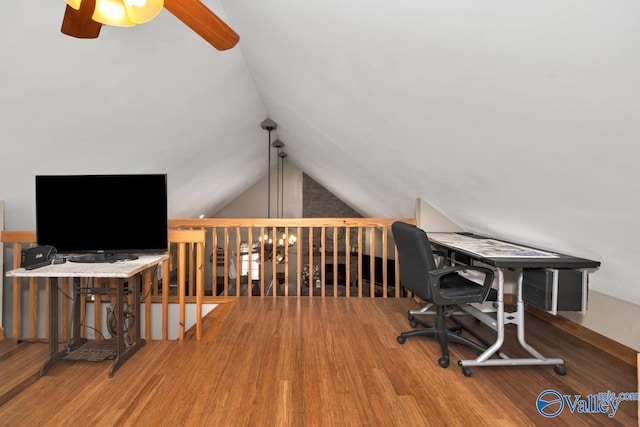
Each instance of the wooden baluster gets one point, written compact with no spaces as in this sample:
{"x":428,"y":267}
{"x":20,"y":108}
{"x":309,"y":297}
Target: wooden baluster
{"x":181,"y":289}
{"x":97,"y":308}
{"x":360,"y":284}
{"x":165,"y":298}
{"x":214,"y":261}
{"x":347,"y":260}
{"x":384,"y":262}
{"x":250,"y":259}
{"x":262,"y":259}
{"x":274,"y":280}
{"x":83,"y":304}
{"x":199,"y":288}
{"x":65,"y":285}
{"x":225,"y":254}
{"x":312,"y":283}
{"x":191,"y":267}
{"x":323,"y":249}
{"x":33,"y":308}
{"x":335,"y":261}
{"x":298,"y":263}
{"x":238,"y":263}
{"x":17,"y":294}
{"x":285,"y":255}
{"x":147,"y":285}
{"x":372,"y":262}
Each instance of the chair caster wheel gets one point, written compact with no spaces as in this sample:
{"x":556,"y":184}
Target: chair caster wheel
{"x":413,"y":323}
{"x":443,"y":362}
{"x":560,"y":370}
{"x":410,"y":317}
{"x":401,"y":339}
{"x":466,"y":371}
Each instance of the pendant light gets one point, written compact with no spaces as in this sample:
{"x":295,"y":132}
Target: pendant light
{"x":122,"y":13}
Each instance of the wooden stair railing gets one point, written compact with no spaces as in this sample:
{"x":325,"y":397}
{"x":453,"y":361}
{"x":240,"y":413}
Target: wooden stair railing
{"x":201,"y":252}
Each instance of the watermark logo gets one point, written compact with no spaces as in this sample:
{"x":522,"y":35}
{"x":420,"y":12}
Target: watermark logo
{"x":550,"y":403}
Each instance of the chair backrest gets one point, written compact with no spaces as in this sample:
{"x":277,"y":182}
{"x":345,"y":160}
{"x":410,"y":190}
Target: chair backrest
{"x":415,"y":258}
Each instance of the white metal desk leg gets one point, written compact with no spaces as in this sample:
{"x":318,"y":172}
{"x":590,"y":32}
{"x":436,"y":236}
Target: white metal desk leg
{"x":559,"y":363}
{"x":499,"y":328}
{"x":520,"y":321}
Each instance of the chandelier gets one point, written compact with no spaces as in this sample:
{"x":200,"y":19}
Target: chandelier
{"x":275,"y":247}
{"x":280,"y":240}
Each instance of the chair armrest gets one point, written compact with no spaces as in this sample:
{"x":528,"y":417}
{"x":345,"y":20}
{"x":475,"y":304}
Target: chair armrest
{"x":436,"y":275}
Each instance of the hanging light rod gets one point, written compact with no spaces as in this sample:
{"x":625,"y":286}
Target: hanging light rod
{"x":269,"y":125}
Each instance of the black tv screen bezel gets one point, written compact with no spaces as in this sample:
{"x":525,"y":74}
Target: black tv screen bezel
{"x":127,"y":213}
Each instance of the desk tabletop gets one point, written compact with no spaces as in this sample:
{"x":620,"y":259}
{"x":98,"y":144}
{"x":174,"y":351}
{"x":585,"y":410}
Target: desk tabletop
{"x":500,"y":253}
{"x":123,"y":269}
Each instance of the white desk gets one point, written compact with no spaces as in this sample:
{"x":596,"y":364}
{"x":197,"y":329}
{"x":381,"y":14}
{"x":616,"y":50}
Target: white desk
{"x":123,"y":272}
{"x":506,"y":255}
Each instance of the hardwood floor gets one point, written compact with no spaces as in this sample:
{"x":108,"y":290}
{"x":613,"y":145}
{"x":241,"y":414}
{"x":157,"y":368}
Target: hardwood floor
{"x":309,"y":362}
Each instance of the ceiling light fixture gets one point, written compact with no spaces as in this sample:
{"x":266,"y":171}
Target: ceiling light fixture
{"x":274,"y":243}
{"x":123,"y":13}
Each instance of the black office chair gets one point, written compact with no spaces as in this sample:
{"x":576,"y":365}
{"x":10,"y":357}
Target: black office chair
{"x":442,"y":287}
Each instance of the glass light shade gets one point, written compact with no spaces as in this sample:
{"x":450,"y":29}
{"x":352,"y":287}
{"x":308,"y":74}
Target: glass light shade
{"x":141,"y":11}
{"x":111,"y":12}
{"x":74,"y":3}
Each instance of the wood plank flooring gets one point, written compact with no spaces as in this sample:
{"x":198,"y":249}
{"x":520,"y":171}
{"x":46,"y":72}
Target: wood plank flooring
{"x":310,"y":362}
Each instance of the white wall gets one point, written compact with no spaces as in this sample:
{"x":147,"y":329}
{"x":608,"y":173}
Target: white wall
{"x":604,"y":316}
{"x":252,"y":203}
{"x":156,"y":315}
{"x":432,"y":220}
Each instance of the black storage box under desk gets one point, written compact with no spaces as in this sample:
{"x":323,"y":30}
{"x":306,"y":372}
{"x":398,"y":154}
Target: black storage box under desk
{"x":540,"y":286}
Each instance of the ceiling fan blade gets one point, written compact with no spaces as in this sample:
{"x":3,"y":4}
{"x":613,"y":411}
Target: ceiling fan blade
{"x":78,"y":23}
{"x":204,"y":22}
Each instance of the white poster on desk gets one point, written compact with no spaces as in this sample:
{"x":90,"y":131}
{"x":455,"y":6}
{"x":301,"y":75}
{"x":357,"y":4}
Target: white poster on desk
{"x":487,"y":247}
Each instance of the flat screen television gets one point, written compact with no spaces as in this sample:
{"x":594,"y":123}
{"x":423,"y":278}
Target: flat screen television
{"x":102,"y":218}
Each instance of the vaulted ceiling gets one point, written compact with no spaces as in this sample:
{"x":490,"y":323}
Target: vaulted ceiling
{"x":515,"y":119}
